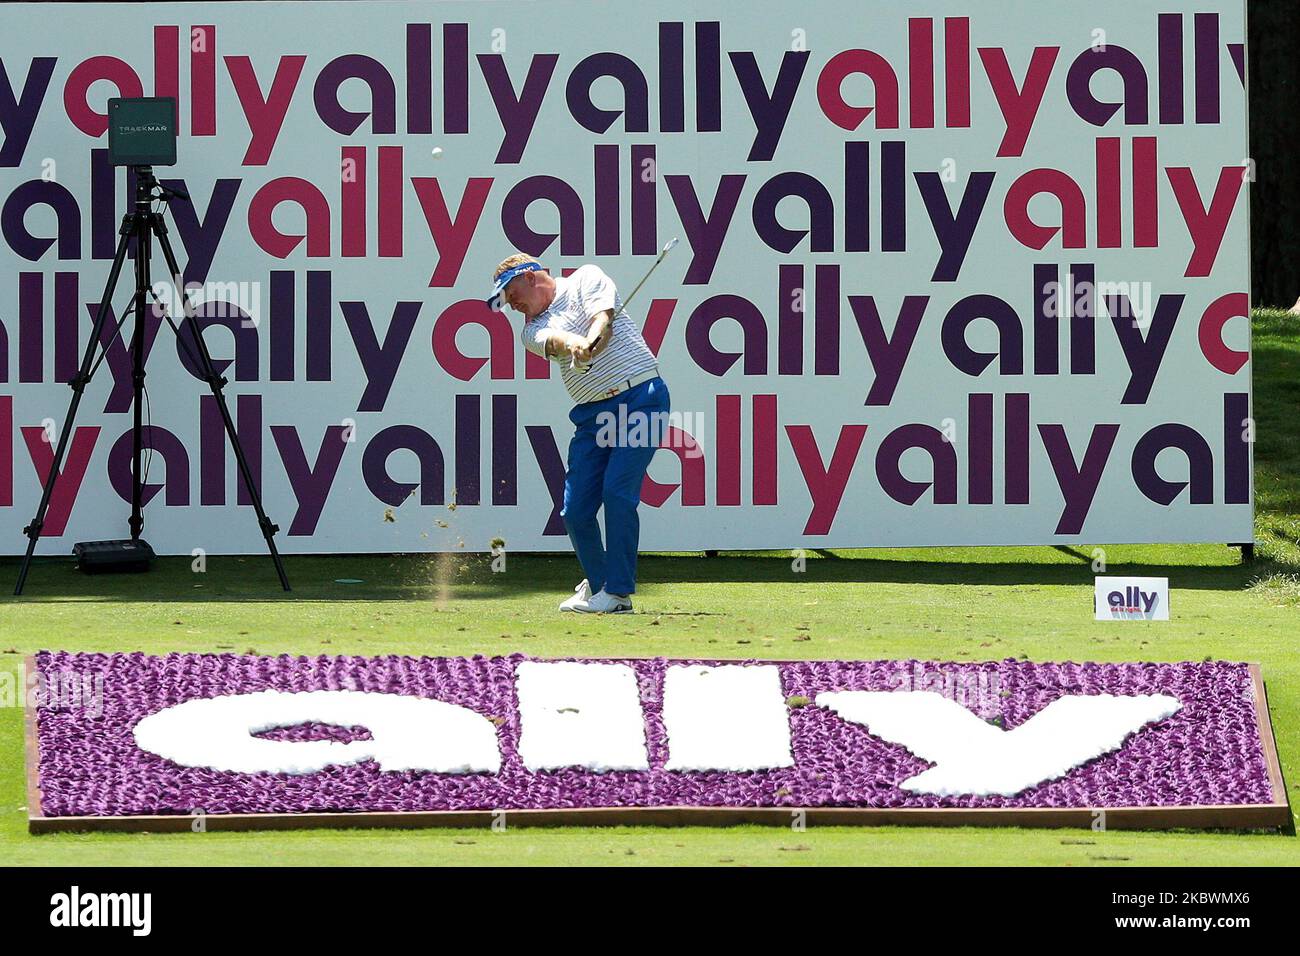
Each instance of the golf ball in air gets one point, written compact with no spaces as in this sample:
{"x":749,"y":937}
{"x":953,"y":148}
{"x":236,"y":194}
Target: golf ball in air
{"x":437,"y":152}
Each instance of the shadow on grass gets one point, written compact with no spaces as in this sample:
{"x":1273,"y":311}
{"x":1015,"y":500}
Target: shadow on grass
{"x":468,"y":577}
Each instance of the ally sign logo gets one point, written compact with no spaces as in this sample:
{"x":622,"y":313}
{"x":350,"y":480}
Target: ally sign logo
{"x":1131,"y":599}
{"x":241,"y":734}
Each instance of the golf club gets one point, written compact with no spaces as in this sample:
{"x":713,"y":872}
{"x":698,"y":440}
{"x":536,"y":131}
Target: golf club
{"x":573,"y":362}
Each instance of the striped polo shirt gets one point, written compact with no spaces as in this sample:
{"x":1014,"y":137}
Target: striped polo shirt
{"x":579,"y":297}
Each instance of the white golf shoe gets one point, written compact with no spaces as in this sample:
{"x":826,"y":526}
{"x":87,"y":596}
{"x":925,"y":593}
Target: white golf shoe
{"x":580,"y":594}
{"x":602,"y":602}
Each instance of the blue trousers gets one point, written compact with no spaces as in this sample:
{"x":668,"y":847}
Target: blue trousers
{"x":608,"y":458}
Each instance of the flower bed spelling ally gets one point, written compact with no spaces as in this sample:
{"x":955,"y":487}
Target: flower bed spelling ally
{"x":227,"y":733}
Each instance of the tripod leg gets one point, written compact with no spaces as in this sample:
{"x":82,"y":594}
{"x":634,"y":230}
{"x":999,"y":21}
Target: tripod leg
{"x":216,"y":383}
{"x":143,"y":252}
{"x":78,"y":384}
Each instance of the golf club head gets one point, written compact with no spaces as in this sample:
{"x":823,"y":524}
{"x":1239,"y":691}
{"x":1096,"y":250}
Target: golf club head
{"x":669,"y":245}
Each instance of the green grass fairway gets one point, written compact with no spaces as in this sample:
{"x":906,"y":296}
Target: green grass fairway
{"x":948,"y":604}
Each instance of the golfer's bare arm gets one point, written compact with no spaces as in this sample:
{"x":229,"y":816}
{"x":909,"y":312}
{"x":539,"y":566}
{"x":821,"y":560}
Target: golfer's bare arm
{"x":585,"y":348}
{"x":601,"y":331}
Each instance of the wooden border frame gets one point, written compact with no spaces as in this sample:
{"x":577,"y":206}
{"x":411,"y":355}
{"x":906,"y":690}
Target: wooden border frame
{"x":1275,"y":815}
{"x":1277,"y":783}
{"x":31,"y":749}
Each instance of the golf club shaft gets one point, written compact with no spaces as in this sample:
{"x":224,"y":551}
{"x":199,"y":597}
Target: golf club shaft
{"x":649,"y":272}
{"x":573,"y":363}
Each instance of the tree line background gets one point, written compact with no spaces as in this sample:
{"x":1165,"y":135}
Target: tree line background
{"x":1273,"y":69}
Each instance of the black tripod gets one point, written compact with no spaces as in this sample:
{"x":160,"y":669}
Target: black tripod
{"x":142,"y":225}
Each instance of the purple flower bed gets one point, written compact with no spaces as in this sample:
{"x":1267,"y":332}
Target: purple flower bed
{"x":1208,"y":753}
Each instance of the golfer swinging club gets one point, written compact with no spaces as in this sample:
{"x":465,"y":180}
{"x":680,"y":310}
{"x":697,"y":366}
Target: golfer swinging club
{"x":613,"y":378}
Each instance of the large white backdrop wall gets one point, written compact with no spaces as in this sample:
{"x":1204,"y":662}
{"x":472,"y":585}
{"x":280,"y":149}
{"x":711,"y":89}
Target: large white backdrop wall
{"x":948,"y":274}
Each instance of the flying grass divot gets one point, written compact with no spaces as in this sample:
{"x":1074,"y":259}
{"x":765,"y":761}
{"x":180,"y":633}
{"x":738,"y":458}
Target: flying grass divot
{"x":291,"y":741}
